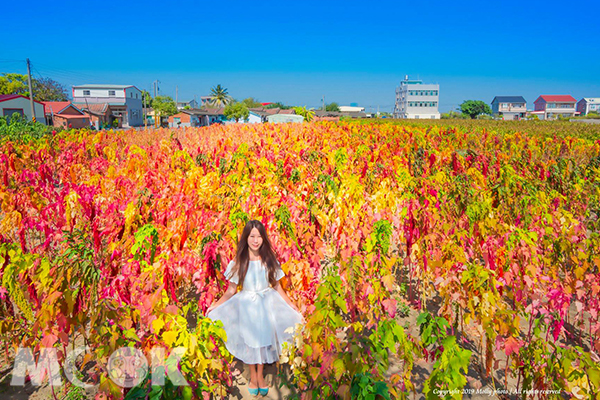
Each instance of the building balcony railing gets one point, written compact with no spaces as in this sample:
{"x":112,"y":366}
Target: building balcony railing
{"x":90,"y":99}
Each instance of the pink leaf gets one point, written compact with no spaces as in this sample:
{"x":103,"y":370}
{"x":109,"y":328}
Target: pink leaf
{"x":512,"y":345}
{"x":389,"y":305}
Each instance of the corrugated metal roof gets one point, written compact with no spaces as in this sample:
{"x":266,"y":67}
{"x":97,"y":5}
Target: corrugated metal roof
{"x":99,"y":86}
{"x":56,"y":107}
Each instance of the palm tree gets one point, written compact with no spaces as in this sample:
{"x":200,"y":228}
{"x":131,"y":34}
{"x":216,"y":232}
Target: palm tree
{"x":306,"y":113}
{"x":220,"y":97}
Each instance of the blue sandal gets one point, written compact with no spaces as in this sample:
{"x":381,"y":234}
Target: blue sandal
{"x":263,"y":391}
{"x":253,"y":392}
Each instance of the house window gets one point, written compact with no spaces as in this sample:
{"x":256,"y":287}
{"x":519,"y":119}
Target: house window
{"x":86,"y":92}
{"x":10,"y":111}
{"x":111,"y":93}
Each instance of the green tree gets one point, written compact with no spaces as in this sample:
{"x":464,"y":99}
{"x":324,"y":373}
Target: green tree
{"x":236,"y":111}
{"x":307,"y":114}
{"x":332,"y":107}
{"x":147,"y":97}
{"x":14,"y":84}
{"x":250,"y":102}
{"x":164,"y":106}
{"x":46,"y":89}
{"x":453,"y":115}
{"x":473,"y":108}
{"x":219,"y":96}
{"x":278,"y":105}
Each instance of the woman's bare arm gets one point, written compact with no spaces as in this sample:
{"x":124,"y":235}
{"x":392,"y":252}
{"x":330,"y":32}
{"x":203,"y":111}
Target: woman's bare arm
{"x":226,"y":296}
{"x":280,"y":290}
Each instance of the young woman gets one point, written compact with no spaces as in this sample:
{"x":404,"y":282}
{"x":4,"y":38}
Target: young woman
{"x":256,"y":318}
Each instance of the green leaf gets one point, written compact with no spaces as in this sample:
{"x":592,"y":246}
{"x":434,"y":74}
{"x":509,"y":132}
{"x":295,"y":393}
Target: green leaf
{"x":338,"y":368}
{"x":155,"y":393}
{"x":594,"y":376}
{"x":131,"y":334}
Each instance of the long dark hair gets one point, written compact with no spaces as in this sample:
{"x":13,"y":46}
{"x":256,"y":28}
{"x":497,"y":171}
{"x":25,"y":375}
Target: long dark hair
{"x":242,"y":256}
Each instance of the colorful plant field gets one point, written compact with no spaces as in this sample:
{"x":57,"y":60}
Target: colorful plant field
{"x":117,"y":239}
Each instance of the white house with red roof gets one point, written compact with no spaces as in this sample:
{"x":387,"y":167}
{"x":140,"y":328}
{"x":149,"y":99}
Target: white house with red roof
{"x":65,"y":114}
{"x":17,"y":104}
{"x":553,"y":106}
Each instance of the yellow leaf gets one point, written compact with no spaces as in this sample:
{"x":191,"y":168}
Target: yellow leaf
{"x":388,"y":282}
{"x":169,"y":337}
{"x":130,"y":214}
{"x":157,"y":325}
{"x":338,"y":367}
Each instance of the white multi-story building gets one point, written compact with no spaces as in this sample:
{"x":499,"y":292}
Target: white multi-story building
{"x":125,"y":101}
{"x":417,"y":100}
{"x":587,"y":105}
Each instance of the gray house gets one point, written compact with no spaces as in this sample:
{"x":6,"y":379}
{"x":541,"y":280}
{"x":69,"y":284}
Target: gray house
{"x":125,"y":101}
{"x":191,"y":104}
{"x":588,"y":104}
{"x":509,"y":107}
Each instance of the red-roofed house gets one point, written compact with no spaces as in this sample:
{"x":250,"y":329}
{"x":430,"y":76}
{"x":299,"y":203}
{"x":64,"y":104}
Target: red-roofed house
{"x":16,"y":104}
{"x":65,"y":114}
{"x":553,"y":106}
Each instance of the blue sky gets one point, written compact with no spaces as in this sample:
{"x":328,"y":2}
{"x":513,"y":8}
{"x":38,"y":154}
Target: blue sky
{"x":298,"y":52}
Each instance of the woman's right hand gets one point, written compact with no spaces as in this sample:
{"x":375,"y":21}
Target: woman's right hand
{"x":209,"y":309}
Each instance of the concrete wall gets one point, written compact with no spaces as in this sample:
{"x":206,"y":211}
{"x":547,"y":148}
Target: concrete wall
{"x":22,"y":103}
{"x":135,"y":113}
{"x":186,"y":120}
{"x":253,"y":119}
{"x":133,"y":93}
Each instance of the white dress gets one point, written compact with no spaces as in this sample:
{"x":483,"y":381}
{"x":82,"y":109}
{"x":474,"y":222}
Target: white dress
{"x":256,"y":318}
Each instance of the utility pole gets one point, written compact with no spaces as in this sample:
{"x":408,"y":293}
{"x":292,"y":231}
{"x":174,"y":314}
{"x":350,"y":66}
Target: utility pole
{"x":155,"y":83}
{"x":145,"y":116}
{"x":30,"y":90}
{"x":323,"y":103}
{"x":176,"y":95}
